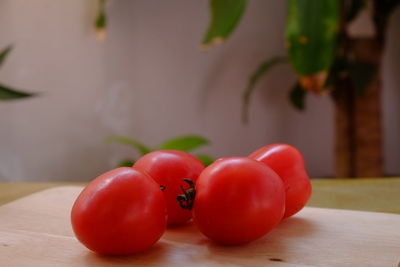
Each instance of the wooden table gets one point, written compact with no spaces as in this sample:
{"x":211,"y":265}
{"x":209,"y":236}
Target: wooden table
{"x":381,"y":194}
{"x":36,"y":231}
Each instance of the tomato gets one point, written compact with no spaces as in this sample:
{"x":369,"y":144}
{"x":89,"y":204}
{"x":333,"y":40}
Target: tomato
{"x":288,"y":163}
{"x":120,"y":212}
{"x":238,"y":200}
{"x":168,"y":168}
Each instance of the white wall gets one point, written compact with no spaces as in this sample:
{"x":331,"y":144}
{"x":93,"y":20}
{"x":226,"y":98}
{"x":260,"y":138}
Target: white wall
{"x":150,"y":81}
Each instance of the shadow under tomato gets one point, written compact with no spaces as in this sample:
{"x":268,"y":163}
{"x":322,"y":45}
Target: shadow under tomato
{"x":157,"y":251}
{"x":185,"y":233}
{"x":297,"y":226}
{"x":273,"y":247}
{"x":179,"y":227}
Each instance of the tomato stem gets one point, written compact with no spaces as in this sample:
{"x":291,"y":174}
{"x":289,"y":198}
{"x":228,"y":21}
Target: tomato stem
{"x":162,"y":187}
{"x":186,"y":200}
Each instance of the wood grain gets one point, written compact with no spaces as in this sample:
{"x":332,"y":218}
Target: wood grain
{"x":35,"y":231}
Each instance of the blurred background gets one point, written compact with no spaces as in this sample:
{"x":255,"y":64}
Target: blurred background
{"x":149,"y":79}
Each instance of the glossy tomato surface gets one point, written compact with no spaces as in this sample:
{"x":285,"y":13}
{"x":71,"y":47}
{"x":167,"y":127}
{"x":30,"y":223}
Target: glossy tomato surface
{"x":120,"y":212}
{"x":288,"y":163}
{"x":168,"y":168}
{"x":238,"y":200}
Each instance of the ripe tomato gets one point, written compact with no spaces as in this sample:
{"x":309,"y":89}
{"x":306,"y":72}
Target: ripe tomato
{"x":168,"y":168}
{"x":238,"y":200}
{"x":288,"y":163}
{"x":120,"y":212}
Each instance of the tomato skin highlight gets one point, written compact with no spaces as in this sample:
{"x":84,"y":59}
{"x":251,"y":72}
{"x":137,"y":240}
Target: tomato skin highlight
{"x":120,"y":212}
{"x":288,"y":163}
{"x":168,"y":168}
{"x":238,"y":200}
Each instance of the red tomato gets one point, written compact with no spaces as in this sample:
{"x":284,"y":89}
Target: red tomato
{"x":238,"y":200}
{"x":120,"y":212}
{"x":288,"y":163}
{"x":168,"y":168}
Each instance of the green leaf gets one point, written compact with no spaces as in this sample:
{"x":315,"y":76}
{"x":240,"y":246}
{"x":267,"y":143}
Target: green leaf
{"x":311,"y":34}
{"x":184,"y":143}
{"x":126,"y":163}
{"x":7,"y":93}
{"x":4,"y":54}
{"x":225,"y":15}
{"x":353,"y":7}
{"x":361,"y":75}
{"x":141,"y":148}
{"x":101,"y":20}
{"x":206,"y":159}
{"x":261,"y":70}
{"x":297,"y":96}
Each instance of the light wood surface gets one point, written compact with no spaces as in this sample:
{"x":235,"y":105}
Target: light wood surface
{"x":35,"y":231}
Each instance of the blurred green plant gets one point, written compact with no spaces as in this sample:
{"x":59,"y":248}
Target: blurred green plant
{"x":100,"y":23}
{"x":186,"y":143}
{"x":261,"y":70}
{"x":311,"y":34}
{"x":7,"y":92}
{"x":225,"y":15}
{"x":314,"y":43}
{"x":328,"y":59}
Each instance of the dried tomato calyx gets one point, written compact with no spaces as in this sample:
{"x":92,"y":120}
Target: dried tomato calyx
{"x":186,"y":200}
